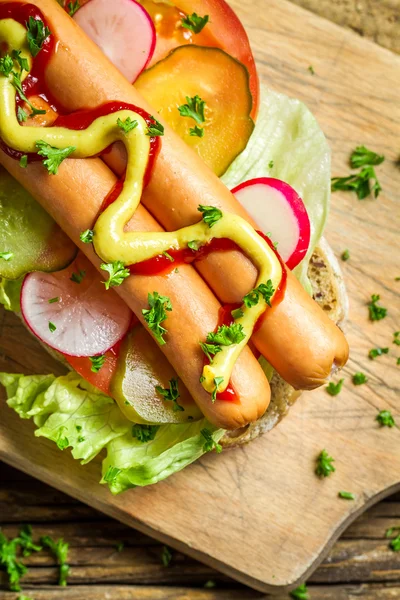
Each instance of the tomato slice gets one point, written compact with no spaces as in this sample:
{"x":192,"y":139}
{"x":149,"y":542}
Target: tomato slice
{"x":83,"y":366}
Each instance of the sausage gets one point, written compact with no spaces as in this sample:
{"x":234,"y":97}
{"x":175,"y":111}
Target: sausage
{"x":296,"y":337}
{"x":73,"y":198}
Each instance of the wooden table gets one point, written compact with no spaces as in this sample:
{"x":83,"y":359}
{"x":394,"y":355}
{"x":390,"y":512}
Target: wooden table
{"x":360,"y":565}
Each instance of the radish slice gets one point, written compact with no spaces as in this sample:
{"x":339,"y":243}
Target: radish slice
{"x":78,"y":319}
{"x":278,"y":209}
{"x":123,"y":30}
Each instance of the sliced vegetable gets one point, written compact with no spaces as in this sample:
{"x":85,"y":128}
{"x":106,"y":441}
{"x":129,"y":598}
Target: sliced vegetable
{"x":221,"y":82}
{"x":280,"y":212}
{"x":87,"y":320}
{"x":123,"y":30}
{"x":136,"y":380}
{"x":29,"y":233}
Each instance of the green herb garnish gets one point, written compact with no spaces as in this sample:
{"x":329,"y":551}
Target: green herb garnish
{"x":345,"y":255}
{"x":37,"y":34}
{"x":194,"y":109}
{"x":167,"y":255}
{"x":217,"y":382}
{"x":395,"y":543}
{"x":22,"y":116}
{"x":194,"y":245}
{"x":300,"y":593}
{"x":155,"y":129}
{"x":271,"y":164}
{"x":324,"y":464}
{"x":127,"y":125}
{"x":360,"y":183}
{"x":376,"y":313}
{"x":53,"y":156}
{"x":156,"y":314}
{"x":334,"y":388}
{"x":211,"y":214}
{"x":59,"y":549}
{"x":171,"y":394}
{"x":78,"y":277}
{"x":375,"y":352}
{"x":144,"y":433}
{"x":53,"y":300}
{"x":52,"y":327}
{"x":166,"y":556}
{"x":396,"y":338}
{"x":361,"y":157}
{"x":73,"y":7}
{"x":210,"y":350}
{"x":226,"y":335}
{"x":194,"y":22}
{"x":6,"y":255}
{"x":266,"y":290}
{"x":347,"y":495}
{"x":359,"y":378}
{"x":197,"y":131}
{"x":6,"y":65}
{"x":237,"y":313}
{"x":97,"y":362}
{"x":87,"y":236}
{"x":385,"y":419}
{"x":311,"y":69}
{"x":16,"y":82}
{"x":111,"y":474}
{"x":209,"y":443}
{"x":117,"y":273}
{"x":23,"y":161}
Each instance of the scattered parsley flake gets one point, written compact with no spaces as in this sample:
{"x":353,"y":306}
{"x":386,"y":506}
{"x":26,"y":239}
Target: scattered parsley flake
{"x":398,"y":361}
{"x":119,"y":546}
{"x":197,"y":131}
{"x":209,"y":443}
{"x":22,"y":115}
{"x":171,"y":394}
{"x":53,"y":300}
{"x":210,"y":584}
{"x":345,"y":255}
{"x":73,"y":7}
{"x":271,"y":164}
{"x":395,"y":543}
{"x":78,"y":277}
{"x":52,"y":327}
{"x":217,"y":381}
{"x":396,"y":338}
{"x":166,"y":556}
{"x":385,"y":419}
{"x":23,"y":162}
{"x":311,"y":69}
{"x":8,"y":555}
{"x":22,"y":62}
{"x":194,"y":22}
{"x":36,"y":35}
{"x":324,"y":465}
{"x":361,"y":157}
{"x":376,"y":313}
{"x":53,"y":156}
{"x":59,"y":549}
{"x":226,"y":335}
{"x":210,"y":350}
{"x":62,"y":442}
{"x":359,"y":378}
{"x":334,"y":388}
{"x":375,"y":352}
{"x":6,"y":65}
{"x":97,"y":362}
{"x":237,"y":313}
{"x":117,"y":273}
{"x":211,"y":214}
{"x":194,"y":109}
{"x":156,"y":314}
{"x":360,"y":183}
{"x":6,"y":255}
{"x":347,"y":495}
{"x":266,"y":290}
{"x":87,"y":236}
{"x":300,"y":593}
{"x":167,"y":255}
{"x":127,"y":125}
{"x":144,"y":433}
{"x":194,"y":245}
{"x":155,"y":129}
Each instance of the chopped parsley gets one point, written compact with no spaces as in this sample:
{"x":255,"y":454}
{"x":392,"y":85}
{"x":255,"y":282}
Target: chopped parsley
{"x":210,"y":584}
{"x":194,"y":109}
{"x":8,"y":555}
{"x":385,"y":419}
{"x":53,"y":300}
{"x":194,"y":22}
{"x":209,"y":443}
{"x":62,"y":441}
{"x":359,"y":378}
{"x":22,"y":116}
{"x":156,"y":314}
{"x":155,"y":129}
{"x":16,"y":82}
{"x":226,"y":335}
{"x":52,"y":327}
{"x":211,"y":214}
{"x":59,"y":549}
{"x":217,"y":382}
{"x":398,"y":361}
{"x":6,"y":255}
{"x":237,"y":313}
{"x":361,"y":156}
{"x":376,"y":313}
{"x":87,"y":236}
{"x":396,"y":338}
{"x":127,"y":125}
{"x":119,"y":546}
{"x":111,"y":474}
{"x":360,"y":183}
{"x":73,"y":7}
{"x":171,"y":394}
{"x":300,"y":593}
{"x":271,"y":164}
{"x":375,"y":352}
{"x":311,"y":69}
{"x":347,"y":495}
{"x":36,"y":35}
{"x":167,"y":255}
{"x":210,"y":350}
{"x":334,"y":388}
{"x":166,"y":556}
{"x":345,"y":255}
{"x":144,"y":433}
{"x":194,"y":245}
{"x":395,"y":543}
{"x":266,"y":290}
{"x":53,"y":156}
{"x":197,"y":131}
{"x":22,"y":62}
{"x":78,"y":277}
{"x":97,"y":362}
{"x":117,"y":273}
{"x":23,"y":161}
{"x":6,"y":65}
{"x":324,"y":464}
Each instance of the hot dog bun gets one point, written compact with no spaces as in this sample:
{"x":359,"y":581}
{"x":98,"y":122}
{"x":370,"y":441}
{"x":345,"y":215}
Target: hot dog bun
{"x":330,"y":293}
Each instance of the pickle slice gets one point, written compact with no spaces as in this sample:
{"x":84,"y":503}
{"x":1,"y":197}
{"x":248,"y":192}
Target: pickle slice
{"x":29,"y":238}
{"x":141,"y":368}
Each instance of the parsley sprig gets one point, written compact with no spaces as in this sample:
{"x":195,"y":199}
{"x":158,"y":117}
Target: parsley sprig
{"x":156,"y":314}
{"x":8,"y":555}
{"x":97,"y":362}
{"x":194,"y":109}
{"x":217,"y":381}
{"x":127,"y":125}
{"x":73,"y":7}
{"x":53,"y":156}
{"x":211,"y":214}
{"x":385,"y":419}
{"x":365,"y":182}
{"x":194,"y":22}
{"x":375,"y":352}
{"x":144,"y":433}
{"x":197,"y":131}
{"x":226,"y":335}
{"x":376,"y":312}
{"x":334,"y":388}
{"x":395,"y":543}
{"x":210,"y":443}
{"x":155,"y":129}
{"x":324,"y":464}
{"x":87,"y":236}
{"x":266,"y":290}
{"x":300,"y":593}
{"x":359,"y":378}
{"x":361,"y":157}
{"x":60,"y":550}
{"x":117,"y":273}
{"x":36,"y":35}
{"x":78,"y":277}
{"x":171,"y":394}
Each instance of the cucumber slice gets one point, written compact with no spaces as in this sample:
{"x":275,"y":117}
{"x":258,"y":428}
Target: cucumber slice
{"x":29,"y":234}
{"x":134,"y":384}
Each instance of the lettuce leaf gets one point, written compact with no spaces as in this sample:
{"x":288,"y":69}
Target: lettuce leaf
{"x":10,"y":291}
{"x":73,"y":414}
{"x":287,"y":134}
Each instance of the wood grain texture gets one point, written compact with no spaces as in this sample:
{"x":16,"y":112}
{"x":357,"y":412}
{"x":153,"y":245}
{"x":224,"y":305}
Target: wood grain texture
{"x":259,"y":513}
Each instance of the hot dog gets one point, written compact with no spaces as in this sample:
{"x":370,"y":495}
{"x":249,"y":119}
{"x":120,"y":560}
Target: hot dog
{"x":83,"y":185}
{"x":297,"y":338}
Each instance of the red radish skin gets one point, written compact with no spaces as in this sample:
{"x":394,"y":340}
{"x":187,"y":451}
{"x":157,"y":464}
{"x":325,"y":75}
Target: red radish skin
{"x":279,"y":211}
{"x":88,"y":319}
{"x":123,"y":30}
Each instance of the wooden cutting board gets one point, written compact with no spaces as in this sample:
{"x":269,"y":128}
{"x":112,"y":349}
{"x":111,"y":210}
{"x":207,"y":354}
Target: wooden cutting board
{"x":259,"y":513}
